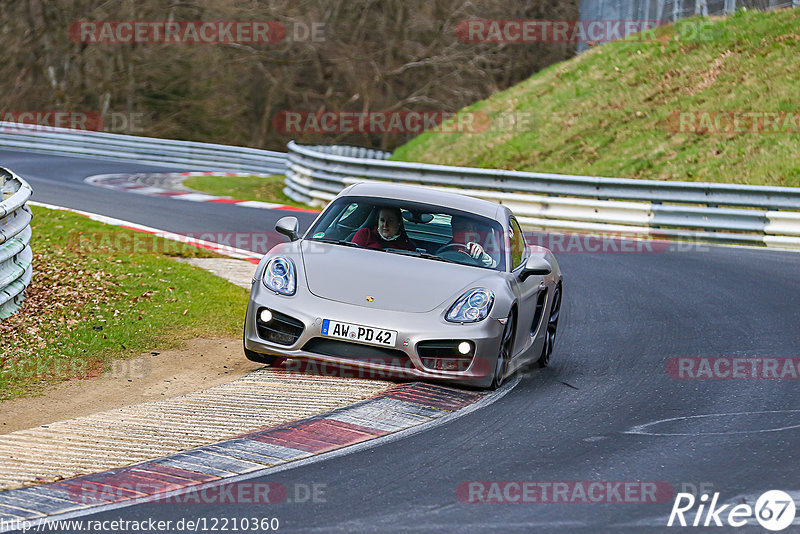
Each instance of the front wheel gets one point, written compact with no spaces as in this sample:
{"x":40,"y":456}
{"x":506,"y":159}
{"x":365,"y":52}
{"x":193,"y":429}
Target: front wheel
{"x":504,"y":355}
{"x":552,"y":329}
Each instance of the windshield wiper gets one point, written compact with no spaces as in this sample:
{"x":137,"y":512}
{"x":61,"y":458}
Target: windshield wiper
{"x":338,"y":242}
{"x":418,"y":254}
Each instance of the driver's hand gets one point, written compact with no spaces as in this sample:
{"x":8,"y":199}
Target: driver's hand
{"x":477,"y":252}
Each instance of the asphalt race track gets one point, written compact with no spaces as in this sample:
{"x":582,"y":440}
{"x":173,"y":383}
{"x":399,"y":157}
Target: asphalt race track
{"x":606,"y":409}
{"x":59,"y":180}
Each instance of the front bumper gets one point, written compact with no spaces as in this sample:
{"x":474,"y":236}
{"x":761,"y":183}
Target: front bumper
{"x":401,"y":361}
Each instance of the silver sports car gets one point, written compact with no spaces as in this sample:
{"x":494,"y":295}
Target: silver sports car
{"x":407,"y":282}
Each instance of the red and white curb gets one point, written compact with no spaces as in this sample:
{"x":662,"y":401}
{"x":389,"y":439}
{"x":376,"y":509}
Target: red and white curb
{"x":128,"y":183}
{"x":223,"y":250}
{"x":399,"y":411}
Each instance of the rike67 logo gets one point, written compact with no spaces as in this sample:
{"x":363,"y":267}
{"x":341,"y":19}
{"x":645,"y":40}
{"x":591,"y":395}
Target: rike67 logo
{"x":774,"y":510}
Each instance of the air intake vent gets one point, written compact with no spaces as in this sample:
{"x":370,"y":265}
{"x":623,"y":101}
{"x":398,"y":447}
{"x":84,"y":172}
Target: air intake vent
{"x":443,"y":355}
{"x":537,"y":316}
{"x":356,"y":351}
{"x":282,"y":329}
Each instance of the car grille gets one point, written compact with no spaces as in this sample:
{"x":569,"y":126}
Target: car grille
{"x":443,"y":355}
{"x":356,"y":351}
{"x":282,"y":329}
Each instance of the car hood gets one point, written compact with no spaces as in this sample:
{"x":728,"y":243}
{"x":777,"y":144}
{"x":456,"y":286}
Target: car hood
{"x":394,"y":282}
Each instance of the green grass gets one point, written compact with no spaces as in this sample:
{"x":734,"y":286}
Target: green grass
{"x":265,"y":189}
{"x":101,"y":292}
{"x":612,"y":110}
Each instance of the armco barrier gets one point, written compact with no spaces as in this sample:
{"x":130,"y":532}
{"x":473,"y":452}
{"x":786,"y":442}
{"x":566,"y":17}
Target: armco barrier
{"x":16,"y":257}
{"x":724,"y":213}
{"x":186,"y":155}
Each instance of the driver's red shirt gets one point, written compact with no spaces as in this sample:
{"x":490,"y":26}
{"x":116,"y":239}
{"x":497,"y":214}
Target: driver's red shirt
{"x":370,"y":238}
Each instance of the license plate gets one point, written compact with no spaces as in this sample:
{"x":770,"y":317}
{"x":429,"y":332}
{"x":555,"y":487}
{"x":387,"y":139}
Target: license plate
{"x":356,"y":332}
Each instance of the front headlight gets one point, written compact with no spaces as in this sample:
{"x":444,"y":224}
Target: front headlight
{"x":279,"y":276}
{"x":471,"y":307}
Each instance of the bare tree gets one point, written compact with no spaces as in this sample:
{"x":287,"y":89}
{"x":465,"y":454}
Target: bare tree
{"x":375,"y":56}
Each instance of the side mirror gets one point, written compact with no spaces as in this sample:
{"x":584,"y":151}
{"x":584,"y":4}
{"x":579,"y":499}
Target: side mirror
{"x":536,"y":265}
{"x":288,"y":226}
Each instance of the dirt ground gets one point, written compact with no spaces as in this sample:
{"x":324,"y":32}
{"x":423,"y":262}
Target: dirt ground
{"x":201,"y":364}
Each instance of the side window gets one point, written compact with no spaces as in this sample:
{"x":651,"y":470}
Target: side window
{"x":519,"y":249}
{"x":349,"y":209}
{"x":340,"y":219}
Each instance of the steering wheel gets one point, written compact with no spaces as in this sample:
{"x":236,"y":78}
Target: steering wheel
{"x":457,"y":252}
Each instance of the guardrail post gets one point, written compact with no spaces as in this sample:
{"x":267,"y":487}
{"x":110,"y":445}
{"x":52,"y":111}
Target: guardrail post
{"x":677,"y":10}
{"x":701,"y":7}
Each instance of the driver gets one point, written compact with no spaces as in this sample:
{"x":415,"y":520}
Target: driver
{"x":464,"y":231}
{"x":389,"y":232}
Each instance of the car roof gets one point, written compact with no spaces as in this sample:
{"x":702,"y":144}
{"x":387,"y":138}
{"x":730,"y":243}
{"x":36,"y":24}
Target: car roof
{"x":425,"y":195}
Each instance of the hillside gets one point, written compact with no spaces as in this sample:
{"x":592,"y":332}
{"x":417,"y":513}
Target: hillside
{"x":672,"y":107}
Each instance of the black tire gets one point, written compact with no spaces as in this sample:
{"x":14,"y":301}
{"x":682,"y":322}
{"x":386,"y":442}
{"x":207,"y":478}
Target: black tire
{"x":262,"y":358}
{"x":552,"y":329}
{"x":505,"y":352}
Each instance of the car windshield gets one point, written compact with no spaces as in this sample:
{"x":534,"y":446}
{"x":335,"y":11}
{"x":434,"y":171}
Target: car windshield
{"x":430,"y":232}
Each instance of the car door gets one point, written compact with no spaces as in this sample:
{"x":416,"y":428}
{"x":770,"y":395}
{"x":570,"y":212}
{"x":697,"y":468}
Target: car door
{"x":527,"y":292}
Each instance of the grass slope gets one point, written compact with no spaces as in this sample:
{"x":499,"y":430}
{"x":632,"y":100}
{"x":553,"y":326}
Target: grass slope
{"x":612,"y":110}
{"x":101,"y":292}
{"x":262,"y":188}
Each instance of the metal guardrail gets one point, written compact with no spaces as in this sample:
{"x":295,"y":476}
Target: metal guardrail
{"x":726,"y":213}
{"x":186,"y":155}
{"x":16,"y":257}
{"x":710,"y":212}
